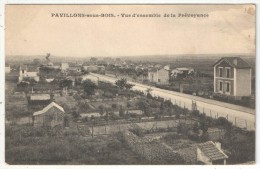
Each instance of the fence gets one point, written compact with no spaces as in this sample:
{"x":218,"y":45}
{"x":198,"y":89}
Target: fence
{"x":237,"y":118}
{"x":152,"y":126}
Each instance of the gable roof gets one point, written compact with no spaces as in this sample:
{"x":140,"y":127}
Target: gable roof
{"x":47,"y":108}
{"x":236,"y":62}
{"x":211,"y":151}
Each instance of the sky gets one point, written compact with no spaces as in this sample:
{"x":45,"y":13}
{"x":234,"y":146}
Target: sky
{"x":30,"y":30}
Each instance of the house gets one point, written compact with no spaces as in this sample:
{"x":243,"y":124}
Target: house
{"x":181,"y":71}
{"x":64,"y":66}
{"x":232,"y":77}
{"x":210,"y":153}
{"x":7,"y":68}
{"x":91,"y":68}
{"x":159,"y":76}
{"x":50,"y":116}
{"x":28,"y":71}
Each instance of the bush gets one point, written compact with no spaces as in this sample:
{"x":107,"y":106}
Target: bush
{"x":108,"y":94}
{"x":193,"y":136}
{"x":114,"y":106}
{"x":195,"y":113}
{"x":222,"y":121}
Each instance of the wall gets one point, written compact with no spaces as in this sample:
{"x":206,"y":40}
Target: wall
{"x":163,"y":76}
{"x":224,"y":86}
{"x":152,"y":76}
{"x":243,"y":82}
{"x":224,"y":78}
{"x":201,"y":157}
{"x":51,"y":118}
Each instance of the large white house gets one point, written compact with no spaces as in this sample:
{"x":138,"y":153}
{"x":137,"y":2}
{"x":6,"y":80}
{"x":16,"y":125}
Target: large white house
{"x":232,"y":77}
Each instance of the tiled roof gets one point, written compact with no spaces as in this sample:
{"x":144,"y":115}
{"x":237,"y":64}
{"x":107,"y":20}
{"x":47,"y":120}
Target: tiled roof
{"x":44,"y":110}
{"x":211,"y":151}
{"x":236,"y":62}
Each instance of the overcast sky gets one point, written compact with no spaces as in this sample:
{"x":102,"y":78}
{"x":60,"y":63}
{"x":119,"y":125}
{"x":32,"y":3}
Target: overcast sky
{"x":30,"y":30}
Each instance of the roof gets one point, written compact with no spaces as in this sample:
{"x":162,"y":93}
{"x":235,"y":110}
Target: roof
{"x":184,"y":69}
{"x":40,"y":97}
{"x":44,"y":110}
{"x":236,"y":62}
{"x":211,"y":151}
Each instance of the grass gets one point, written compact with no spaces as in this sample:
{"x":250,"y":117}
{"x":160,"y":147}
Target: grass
{"x":69,"y":149}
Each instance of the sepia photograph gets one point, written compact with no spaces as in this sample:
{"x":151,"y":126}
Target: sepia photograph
{"x":135,"y":84}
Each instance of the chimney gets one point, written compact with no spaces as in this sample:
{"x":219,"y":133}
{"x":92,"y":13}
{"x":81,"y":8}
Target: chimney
{"x":235,"y":61}
{"x":218,"y":145}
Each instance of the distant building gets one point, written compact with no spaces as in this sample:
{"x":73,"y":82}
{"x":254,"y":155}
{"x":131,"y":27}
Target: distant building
{"x":94,"y":68}
{"x":64,"y":66}
{"x":181,"y":71}
{"x":232,"y":77}
{"x":210,"y":153}
{"x":7,"y":68}
{"x":28,"y":71}
{"x":159,"y":76}
{"x":50,"y":116}
{"x":91,"y":77}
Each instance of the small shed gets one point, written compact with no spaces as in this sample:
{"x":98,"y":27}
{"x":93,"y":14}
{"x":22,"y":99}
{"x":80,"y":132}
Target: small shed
{"x":210,"y":153}
{"x":51,"y":116}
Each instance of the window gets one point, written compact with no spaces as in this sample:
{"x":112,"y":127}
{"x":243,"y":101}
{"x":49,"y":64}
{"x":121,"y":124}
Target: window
{"x":228,"y":88}
{"x":220,"y":72}
{"x":228,"y":72}
{"x":220,"y":86}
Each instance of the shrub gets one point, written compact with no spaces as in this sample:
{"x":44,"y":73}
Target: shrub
{"x":114,"y":106}
{"x":222,"y":121}
{"x":195,"y":113}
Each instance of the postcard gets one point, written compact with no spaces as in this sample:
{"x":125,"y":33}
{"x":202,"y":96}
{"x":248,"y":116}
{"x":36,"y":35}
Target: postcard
{"x":135,"y":84}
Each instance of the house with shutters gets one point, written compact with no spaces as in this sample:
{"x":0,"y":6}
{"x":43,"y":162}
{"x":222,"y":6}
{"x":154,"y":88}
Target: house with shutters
{"x":232,"y":77}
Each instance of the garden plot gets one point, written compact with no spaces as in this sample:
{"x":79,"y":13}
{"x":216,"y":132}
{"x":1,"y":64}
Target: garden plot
{"x":69,"y":101}
{"x":109,"y":129}
{"x":162,"y":124}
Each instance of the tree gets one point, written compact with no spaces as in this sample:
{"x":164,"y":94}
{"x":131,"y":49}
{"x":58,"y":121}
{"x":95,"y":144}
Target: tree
{"x":65,"y":83}
{"x":128,"y":86}
{"x":89,"y":87}
{"x":101,"y":108}
{"x":23,"y":85}
{"x":144,"y":106}
{"x":128,"y":105}
{"x":121,"y":83}
{"x":195,"y":127}
{"x":75,"y":114}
